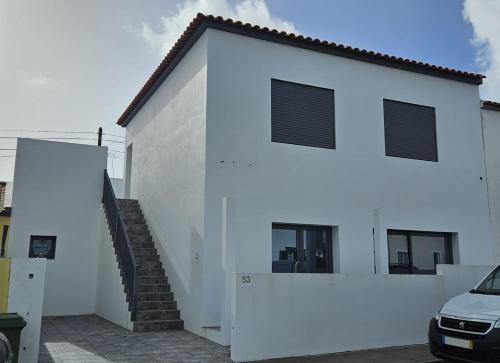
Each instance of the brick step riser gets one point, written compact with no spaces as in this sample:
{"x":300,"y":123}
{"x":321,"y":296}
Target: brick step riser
{"x":155,"y":296}
{"x":133,"y":238}
{"x":146,"y":258}
{"x":144,"y":251}
{"x":134,"y":220}
{"x":140,"y":326}
{"x":158,"y":315}
{"x":140,"y":246}
{"x":153,"y":288}
{"x":150,"y":272}
{"x":137,"y":230}
{"x":146,"y":280}
{"x":156,"y":305}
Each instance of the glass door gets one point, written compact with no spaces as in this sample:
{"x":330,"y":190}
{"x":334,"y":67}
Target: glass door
{"x":302,"y":248}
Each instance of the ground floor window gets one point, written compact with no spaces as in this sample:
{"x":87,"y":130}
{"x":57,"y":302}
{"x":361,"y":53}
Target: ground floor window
{"x":301,"y":248}
{"x":413,"y":252}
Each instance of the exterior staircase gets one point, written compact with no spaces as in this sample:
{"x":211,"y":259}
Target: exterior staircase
{"x":155,"y":307}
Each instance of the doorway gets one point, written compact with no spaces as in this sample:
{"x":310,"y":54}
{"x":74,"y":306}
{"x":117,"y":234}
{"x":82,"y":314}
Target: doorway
{"x":128,"y":171}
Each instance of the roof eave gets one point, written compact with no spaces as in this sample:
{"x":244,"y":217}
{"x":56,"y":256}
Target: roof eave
{"x":202,"y":22}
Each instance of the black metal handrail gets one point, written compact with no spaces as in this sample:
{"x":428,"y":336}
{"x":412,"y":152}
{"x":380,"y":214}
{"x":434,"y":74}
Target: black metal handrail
{"x":120,"y":237}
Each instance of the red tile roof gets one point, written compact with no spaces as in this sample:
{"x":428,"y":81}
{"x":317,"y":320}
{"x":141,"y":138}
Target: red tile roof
{"x":490,"y":105}
{"x":202,"y":22}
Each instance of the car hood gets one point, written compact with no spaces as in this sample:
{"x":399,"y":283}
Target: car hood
{"x":475,"y":306}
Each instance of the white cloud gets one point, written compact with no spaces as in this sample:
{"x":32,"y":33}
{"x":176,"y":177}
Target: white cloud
{"x":40,"y":80}
{"x":247,"y":11}
{"x":484,"y":15}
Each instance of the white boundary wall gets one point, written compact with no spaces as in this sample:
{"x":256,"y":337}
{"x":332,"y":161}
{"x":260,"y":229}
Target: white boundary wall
{"x":26,"y":286}
{"x":111,"y":299}
{"x":57,"y":192}
{"x":280,"y":315}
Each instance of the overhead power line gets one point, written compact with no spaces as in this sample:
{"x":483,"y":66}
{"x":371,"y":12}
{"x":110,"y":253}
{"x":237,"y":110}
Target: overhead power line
{"x":59,"y":132}
{"x":63,"y":138}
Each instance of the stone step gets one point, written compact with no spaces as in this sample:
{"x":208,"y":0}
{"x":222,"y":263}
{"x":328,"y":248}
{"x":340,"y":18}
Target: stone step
{"x":140,"y":238}
{"x":141,"y":245}
{"x":134,"y":230}
{"x":145,"y":280}
{"x":142,"y":258}
{"x":155,"y":296}
{"x":148,"y":315}
{"x":133,"y":218}
{"x":143,"y":251}
{"x":153,"y":288}
{"x":156,"y":305}
{"x":125,"y":202}
{"x":150,"y":271}
{"x":157,"y":325}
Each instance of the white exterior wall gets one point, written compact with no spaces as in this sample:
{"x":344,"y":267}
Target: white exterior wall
{"x":211,"y":195}
{"x":355,"y":187}
{"x":58,"y":191}
{"x":167,"y":176}
{"x":491,"y":132}
{"x":26,"y":290}
{"x":111,"y":299}
{"x":348,"y":312}
{"x":118,"y":187}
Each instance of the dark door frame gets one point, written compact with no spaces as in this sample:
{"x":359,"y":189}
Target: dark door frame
{"x":299,"y":232}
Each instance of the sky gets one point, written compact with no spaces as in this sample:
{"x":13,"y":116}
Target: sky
{"x":72,"y":66}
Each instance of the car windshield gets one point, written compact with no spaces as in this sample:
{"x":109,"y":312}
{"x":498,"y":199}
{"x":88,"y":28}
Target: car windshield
{"x":490,"y":285}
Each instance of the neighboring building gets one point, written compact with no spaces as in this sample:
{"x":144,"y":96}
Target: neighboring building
{"x":286,"y":190}
{"x":255,"y":151}
{"x":5,"y":213}
{"x":490,"y":116}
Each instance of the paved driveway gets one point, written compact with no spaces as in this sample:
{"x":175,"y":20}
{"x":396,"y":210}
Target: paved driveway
{"x":88,"y":338}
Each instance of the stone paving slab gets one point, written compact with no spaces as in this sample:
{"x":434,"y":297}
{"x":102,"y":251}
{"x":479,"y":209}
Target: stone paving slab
{"x":409,"y":354}
{"x":88,"y":338}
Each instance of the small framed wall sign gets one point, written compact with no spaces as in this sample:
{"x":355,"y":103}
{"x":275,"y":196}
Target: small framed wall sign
{"x":42,"y":247}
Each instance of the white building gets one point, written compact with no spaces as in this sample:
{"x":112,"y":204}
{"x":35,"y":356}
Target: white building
{"x":293,"y":189}
{"x":247,"y":147}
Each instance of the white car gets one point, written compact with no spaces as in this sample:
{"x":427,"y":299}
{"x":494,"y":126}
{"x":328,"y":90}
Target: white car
{"x":467,"y":328}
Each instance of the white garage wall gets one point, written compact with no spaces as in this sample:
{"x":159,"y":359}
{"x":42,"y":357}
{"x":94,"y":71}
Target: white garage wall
{"x":307,"y":314}
{"x":57,"y":192}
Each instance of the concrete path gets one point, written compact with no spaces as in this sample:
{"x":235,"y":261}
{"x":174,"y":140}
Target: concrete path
{"x":88,"y":338}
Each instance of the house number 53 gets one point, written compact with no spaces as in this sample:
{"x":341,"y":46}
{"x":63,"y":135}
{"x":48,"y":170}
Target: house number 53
{"x":245,"y":279}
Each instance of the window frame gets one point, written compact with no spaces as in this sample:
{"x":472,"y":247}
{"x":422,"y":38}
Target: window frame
{"x":52,"y":254}
{"x":408,"y":234}
{"x":299,"y":232}
{"x":334,"y":136}
{"x":435,"y":130}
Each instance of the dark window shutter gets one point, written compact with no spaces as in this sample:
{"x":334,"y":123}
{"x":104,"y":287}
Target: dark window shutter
{"x":410,"y":131}
{"x":302,"y":115}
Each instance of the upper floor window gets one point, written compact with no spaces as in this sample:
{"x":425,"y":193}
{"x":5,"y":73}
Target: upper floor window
{"x":302,"y":114}
{"x":410,"y":131}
